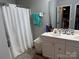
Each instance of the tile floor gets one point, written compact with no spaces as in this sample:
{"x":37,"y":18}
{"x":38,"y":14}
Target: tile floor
{"x":30,"y":55}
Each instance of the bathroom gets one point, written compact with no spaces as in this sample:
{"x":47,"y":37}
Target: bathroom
{"x":56,"y":14}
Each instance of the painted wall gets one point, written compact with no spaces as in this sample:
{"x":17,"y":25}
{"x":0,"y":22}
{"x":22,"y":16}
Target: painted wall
{"x":23,"y":3}
{"x":40,"y":6}
{"x":52,"y":8}
{"x":72,"y":4}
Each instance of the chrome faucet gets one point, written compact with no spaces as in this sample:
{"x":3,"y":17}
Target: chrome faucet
{"x":68,"y":31}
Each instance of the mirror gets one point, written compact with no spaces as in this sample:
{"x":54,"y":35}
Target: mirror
{"x":66,"y":13}
{"x":63,"y":17}
{"x":77,"y":18}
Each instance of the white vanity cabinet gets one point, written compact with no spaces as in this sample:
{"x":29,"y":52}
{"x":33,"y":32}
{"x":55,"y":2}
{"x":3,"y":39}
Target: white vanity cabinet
{"x":72,"y":50}
{"x":72,"y":53}
{"x":54,"y":48}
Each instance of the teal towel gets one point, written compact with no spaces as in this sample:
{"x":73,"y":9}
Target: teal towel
{"x":36,"y":19}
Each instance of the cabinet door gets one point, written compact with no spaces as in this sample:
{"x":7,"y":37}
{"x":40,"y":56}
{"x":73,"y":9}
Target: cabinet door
{"x":48,"y":48}
{"x":59,"y":51}
{"x":72,"y":52}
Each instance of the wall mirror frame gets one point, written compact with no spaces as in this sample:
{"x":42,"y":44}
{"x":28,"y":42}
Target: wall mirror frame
{"x":59,"y":15}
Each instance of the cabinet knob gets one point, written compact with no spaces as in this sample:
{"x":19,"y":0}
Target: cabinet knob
{"x":58,"y":57}
{"x":59,"y":48}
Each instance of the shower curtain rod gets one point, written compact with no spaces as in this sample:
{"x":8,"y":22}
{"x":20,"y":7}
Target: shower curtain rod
{"x":2,"y":3}
{"x":7,"y":4}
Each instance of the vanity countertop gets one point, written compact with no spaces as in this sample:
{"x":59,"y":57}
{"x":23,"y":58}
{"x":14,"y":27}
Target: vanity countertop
{"x":74,"y":37}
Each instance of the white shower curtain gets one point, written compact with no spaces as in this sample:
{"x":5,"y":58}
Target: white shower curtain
{"x":17,"y":22}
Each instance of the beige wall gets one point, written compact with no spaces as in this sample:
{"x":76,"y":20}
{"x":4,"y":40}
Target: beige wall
{"x":40,"y":6}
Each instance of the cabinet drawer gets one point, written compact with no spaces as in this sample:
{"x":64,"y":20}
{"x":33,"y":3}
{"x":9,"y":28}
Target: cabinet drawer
{"x":48,"y":50}
{"x":60,"y":48}
{"x":72,"y":43}
{"x":72,"y":52}
{"x":47,"y":39}
{"x":59,"y":41}
{"x":59,"y":51}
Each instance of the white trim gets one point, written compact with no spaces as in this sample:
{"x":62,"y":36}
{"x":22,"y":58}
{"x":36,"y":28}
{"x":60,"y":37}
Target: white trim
{"x":63,"y":5}
{"x":77,"y":4}
{"x":70,"y":16}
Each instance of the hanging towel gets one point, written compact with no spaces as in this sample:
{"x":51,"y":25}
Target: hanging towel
{"x":37,"y":20}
